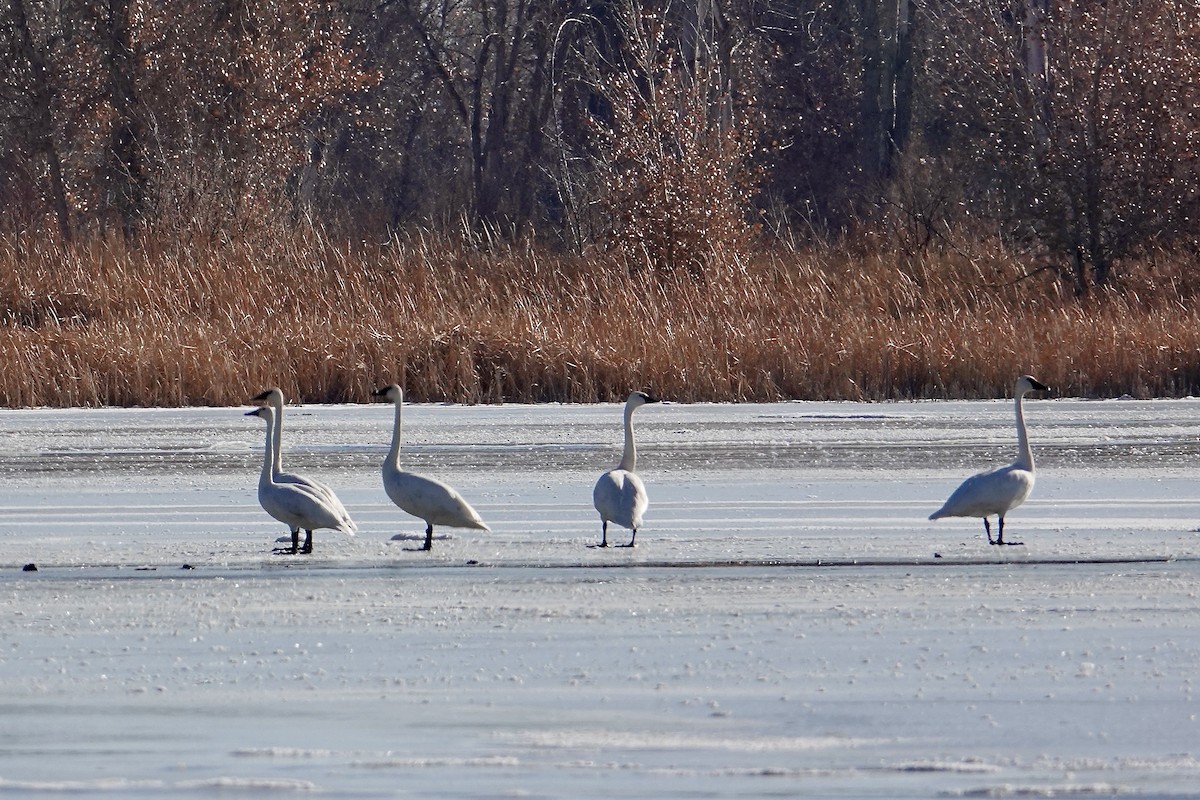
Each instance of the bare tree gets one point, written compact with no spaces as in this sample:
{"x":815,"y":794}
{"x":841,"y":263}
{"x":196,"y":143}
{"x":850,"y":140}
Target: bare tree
{"x":491,"y":61}
{"x":30,"y":95}
{"x":1078,"y":119}
{"x":885,"y":31}
{"x":675,"y":156}
{"x":127,"y":161}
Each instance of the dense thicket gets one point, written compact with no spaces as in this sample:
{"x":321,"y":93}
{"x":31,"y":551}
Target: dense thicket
{"x":562,"y":199}
{"x":667,"y":131}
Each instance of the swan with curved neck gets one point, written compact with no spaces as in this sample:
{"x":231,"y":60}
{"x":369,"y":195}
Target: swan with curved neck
{"x":425,"y":498}
{"x":273,"y":397}
{"x":999,"y":490}
{"x":293,"y":504}
{"x":619,"y":494}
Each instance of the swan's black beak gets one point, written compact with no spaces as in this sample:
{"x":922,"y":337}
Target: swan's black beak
{"x":379,"y":393}
{"x":253,"y":413}
{"x":260,"y":397}
{"x":1041,"y":387}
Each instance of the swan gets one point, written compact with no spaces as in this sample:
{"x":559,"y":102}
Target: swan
{"x":425,"y":498}
{"x":293,"y":504}
{"x":274,"y":398}
{"x":998,"y":491}
{"x":620,"y":495}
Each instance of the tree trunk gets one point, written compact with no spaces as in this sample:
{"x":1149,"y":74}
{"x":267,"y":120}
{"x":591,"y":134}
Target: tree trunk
{"x":888,"y":74}
{"x":127,"y":164}
{"x":903,"y":75}
{"x":872,"y":151}
{"x":41,"y":99}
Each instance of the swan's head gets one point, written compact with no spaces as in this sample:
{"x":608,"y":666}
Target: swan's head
{"x":263,"y":412}
{"x":392,"y":394}
{"x":1028,"y":383}
{"x":639,"y":399}
{"x":272,"y":396}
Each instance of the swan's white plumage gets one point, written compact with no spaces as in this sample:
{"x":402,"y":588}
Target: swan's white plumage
{"x":295,"y":505}
{"x":619,"y":495}
{"x":425,"y":498}
{"x":274,"y":398}
{"x":998,"y":491}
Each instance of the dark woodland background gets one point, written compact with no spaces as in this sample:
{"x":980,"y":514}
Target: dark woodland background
{"x":1068,"y":129}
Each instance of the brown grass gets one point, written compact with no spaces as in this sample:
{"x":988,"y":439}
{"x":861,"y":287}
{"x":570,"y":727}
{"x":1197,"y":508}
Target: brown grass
{"x":100,"y":324}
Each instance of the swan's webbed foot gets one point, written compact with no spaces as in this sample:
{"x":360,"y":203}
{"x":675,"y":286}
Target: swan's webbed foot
{"x":1000,"y":538}
{"x":632,"y":540}
{"x":295,"y":548}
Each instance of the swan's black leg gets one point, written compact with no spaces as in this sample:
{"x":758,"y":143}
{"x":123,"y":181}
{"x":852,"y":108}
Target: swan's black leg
{"x":428,"y":536}
{"x":1000,"y":538}
{"x":604,"y":533}
{"x":295,"y":545}
{"x":632,"y":540}
{"x":987,"y":526}
{"x":307,"y":542}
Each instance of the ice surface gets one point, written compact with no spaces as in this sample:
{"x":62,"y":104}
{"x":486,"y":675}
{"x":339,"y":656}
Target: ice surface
{"x":790,"y":623}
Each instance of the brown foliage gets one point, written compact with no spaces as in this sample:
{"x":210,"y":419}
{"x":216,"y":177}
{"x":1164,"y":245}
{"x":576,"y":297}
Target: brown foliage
{"x":102,"y":325}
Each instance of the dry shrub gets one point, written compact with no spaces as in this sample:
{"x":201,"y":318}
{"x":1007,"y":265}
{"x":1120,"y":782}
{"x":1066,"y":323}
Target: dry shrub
{"x":676,"y":169}
{"x":98,"y":324}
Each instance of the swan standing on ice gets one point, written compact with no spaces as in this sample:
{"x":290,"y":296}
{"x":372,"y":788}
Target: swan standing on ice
{"x":294,"y":504}
{"x":620,"y":495}
{"x":999,"y":490}
{"x":426,"y":498}
{"x":274,"y":398}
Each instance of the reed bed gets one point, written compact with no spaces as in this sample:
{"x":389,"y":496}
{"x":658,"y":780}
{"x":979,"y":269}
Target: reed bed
{"x":102,"y":324}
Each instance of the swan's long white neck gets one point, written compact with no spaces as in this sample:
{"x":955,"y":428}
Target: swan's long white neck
{"x":278,"y":462}
{"x":629,"y":458}
{"x":268,"y":456}
{"x":393,"y":456}
{"x":1024,"y":452}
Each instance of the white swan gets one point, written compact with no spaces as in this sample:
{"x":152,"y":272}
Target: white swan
{"x":620,"y":495}
{"x":999,"y":490}
{"x":274,"y":398}
{"x":426,"y":498}
{"x":293,"y":504}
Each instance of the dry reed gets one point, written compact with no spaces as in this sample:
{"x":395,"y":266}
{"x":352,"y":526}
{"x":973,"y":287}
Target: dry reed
{"x":100,"y":324}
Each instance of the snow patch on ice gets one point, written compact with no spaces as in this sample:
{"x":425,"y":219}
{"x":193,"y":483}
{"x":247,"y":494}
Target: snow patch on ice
{"x":966,"y":767}
{"x":1055,"y":790}
{"x":250,"y":784}
{"x":111,"y":785}
{"x":97,"y":785}
{"x":282,"y":752}
{"x":650,"y":740}
{"x":433,"y":761}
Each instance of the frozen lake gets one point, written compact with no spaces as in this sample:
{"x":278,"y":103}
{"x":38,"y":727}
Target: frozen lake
{"x":790,"y":624}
